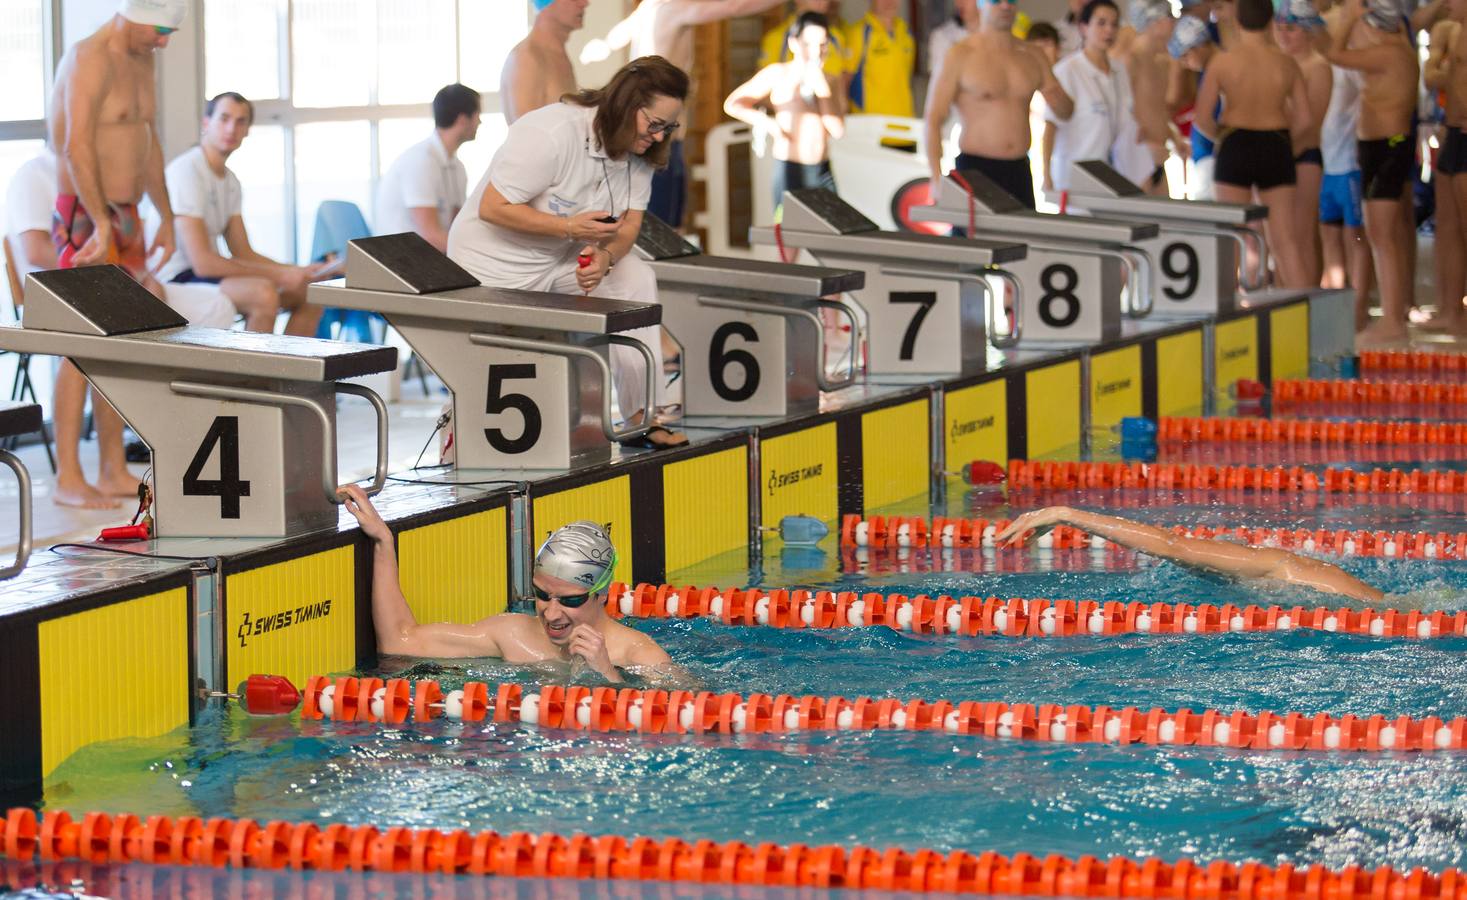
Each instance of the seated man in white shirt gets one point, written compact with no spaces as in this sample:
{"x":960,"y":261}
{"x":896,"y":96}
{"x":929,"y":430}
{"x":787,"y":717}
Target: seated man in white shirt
{"x":424,"y":188}
{"x":30,"y":201}
{"x":207,"y":202}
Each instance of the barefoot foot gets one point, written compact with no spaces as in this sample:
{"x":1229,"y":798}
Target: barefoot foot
{"x":1382,"y":334}
{"x":80,"y":495}
{"x":123,"y":484}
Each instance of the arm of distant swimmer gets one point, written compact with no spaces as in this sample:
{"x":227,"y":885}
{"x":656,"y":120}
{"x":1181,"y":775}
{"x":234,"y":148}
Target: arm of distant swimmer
{"x":940,"y":96}
{"x":1439,"y":64}
{"x":1216,"y":557}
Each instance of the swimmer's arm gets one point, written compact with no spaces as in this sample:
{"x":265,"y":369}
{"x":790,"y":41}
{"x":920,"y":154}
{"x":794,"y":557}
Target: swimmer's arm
{"x":832,"y":108}
{"x":84,"y":96}
{"x":940,"y":96}
{"x":1059,"y":102}
{"x":1300,"y":111}
{"x":1176,"y":87}
{"x":155,"y":181}
{"x":743,"y":102}
{"x":1046,"y":152}
{"x":1426,"y":16}
{"x":1439,"y":63}
{"x":1204,"y":108}
{"x":1375,"y":59}
{"x":524,"y":93}
{"x":701,"y":12}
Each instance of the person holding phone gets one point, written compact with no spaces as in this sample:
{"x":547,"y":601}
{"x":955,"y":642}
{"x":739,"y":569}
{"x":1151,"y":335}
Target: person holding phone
{"x":562,"y":203}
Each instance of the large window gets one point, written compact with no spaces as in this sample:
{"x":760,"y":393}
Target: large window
{"x":341,"y":88}
{"x":27,"y":52}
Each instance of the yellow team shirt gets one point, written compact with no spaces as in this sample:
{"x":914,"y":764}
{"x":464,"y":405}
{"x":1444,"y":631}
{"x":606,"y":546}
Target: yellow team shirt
{"x":775,"y":47}
{"x":881,"y":66}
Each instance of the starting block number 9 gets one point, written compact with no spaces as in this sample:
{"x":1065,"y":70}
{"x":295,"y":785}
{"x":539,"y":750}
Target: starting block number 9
{"x":1182,"y":270}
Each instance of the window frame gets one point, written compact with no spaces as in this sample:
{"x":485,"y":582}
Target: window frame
{"x":283,"y":113}
{"x":51,"y":50}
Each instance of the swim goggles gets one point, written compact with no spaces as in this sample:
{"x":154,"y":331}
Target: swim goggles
{"x":163,"y":30}
{"x":569,"y":601}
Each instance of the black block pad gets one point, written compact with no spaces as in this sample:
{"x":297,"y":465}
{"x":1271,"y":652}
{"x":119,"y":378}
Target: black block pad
{"x":1109,"y":177}
{"x":107,"y":297}
{"x":659,"y":241}
{"x":839,"y":214}
{"x":19,"y":418}
{"x":416,"y":262}
{"x":989,"y":195}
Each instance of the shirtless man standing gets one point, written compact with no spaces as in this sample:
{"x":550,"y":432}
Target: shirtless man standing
{"x":1446,"y":71}
{"x":1294,"y":28}
{"x":665,"y":28}
{"x":1372,"y":39}
{"x":991,"y":77}
{"x":1265,"y":112}
{"x":538,"y":70}
{"x":1140,"y":152}
{"x":102,"y":124}
{"x":806,"y":109}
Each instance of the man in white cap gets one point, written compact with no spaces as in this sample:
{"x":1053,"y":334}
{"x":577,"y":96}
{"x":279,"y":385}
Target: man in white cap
{"x":102,"y":125}
{"x":1140,"y":151}
{"x":573,"y":569}
{"x":538,"y":70}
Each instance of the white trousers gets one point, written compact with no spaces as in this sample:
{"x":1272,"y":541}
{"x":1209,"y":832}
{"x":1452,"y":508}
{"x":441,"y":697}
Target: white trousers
{"x":630,"y":279}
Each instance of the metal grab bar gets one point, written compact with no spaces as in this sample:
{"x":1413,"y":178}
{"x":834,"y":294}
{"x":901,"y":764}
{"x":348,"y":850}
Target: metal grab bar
{"x":981,"y":280}
{"x":356,"y":390}
{"x":1256,"y":236}
{"x":23,"y":550}
{"x":795,"y":313}
{"x":1141,"y":281}
{"x":328,"y":429}
{"x":608,"y":425}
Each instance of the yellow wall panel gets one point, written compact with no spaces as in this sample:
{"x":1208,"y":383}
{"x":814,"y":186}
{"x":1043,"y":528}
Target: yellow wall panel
{"x":797,"y":475}
{"x":896,"y":457}
{"x":1179,"y":377}
{"x":705,"y":507}
{"x":607,"y":503}
{"x":120,"y":671}
{"x":1236,"y":352}
{"x":1052,"y":408}
{"x":976,"y":423}
{"x":457,"y":570}
{"x":1288,"y":342}
{"x":1115,"y":386}
{"x":295,"y":618}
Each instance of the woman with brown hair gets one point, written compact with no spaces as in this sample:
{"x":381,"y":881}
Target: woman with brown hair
{"x":562,"y":202}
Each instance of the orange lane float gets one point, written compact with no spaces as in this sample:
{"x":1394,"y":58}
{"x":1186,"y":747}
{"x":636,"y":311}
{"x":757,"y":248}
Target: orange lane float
{"x":901,"y":532}
{"x":1044,"y":476}
{"x":1359,"y":432}
{"x":1377,"y":361}
{"x":1013,"y":617}
{"x":606,"y":709}
{"x":1353,"y":393}
{"x":244,"y":843}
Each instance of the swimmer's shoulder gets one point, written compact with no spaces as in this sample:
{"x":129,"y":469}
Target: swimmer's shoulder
{"x":635,"y":647}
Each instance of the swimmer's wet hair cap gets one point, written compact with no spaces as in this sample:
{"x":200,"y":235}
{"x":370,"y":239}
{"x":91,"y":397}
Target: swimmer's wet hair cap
{"x":541,"y":4}
{"x":1189,"y":34}
{"x":1299,"y":12}
{"x":1388,"y":15}
{"x":580,"y":553}
{"x":165,"y":13}
{"x":1143,"y":13}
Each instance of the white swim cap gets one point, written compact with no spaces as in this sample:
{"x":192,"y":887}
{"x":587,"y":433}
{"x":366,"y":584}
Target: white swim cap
{"x":581,"y":553}
{"x":1189,"y":34}
{"x":1145,"y":12}
{"x":167,"y":13}
{"x":1388,"y":15}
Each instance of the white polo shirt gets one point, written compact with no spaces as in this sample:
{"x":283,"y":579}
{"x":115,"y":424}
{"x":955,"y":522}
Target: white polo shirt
{"x":195,"y":191}
{"x":30,"y":199}
{"x":1102,"y":104}
{"x":424,"y":176}
{"x":551,"y":161}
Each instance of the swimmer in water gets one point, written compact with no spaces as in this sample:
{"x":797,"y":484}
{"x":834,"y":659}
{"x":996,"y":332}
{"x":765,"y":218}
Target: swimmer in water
{"x":573,"y":568}
{"x":1212,"y":557}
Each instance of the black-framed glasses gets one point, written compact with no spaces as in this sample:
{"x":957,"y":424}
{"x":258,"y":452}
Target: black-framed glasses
{"x":657,"y":126}
{"x":569,"y":601}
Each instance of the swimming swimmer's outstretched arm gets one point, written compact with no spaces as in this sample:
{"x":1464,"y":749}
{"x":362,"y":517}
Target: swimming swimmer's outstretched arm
{"x":398,"y":630}
{"x":1216,"y":557}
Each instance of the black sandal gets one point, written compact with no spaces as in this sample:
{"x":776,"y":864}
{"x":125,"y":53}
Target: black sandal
{"x":645,"y":442}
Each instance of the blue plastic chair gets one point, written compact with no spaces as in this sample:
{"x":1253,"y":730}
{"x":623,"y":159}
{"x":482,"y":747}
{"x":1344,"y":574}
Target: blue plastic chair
{"x":337,"y":222}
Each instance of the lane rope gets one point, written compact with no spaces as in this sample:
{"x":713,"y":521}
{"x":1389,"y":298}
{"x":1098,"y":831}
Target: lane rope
{"x":607,"y":710}
{"x":1047,"y":475}
{"x":1412,"y":361}
{"x":1360,"y":432}
{"x":1340,"y":392}
{"x":245,"y":843}
{"x":882,"y":532}
{"x":1012,"y":617}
